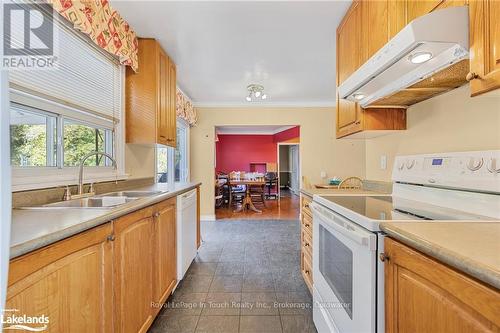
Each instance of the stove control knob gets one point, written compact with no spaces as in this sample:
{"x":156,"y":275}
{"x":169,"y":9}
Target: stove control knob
{"x":492,"y":166}
{"x":410,"y":164}
{"x":401,"y":166}
{"x":474,"y":165}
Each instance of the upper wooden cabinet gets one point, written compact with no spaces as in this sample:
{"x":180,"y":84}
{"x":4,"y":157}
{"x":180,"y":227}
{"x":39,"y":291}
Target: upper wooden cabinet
{"x":151,"y":97}
{"x":70,"y":282}
{"x":424,"y":295}
{"x":485,"y":46}
{"x":362,"y":32}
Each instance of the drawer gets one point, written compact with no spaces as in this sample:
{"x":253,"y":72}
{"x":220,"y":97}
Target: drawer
{"x":305,"y":202}
{"x":306,"y":242}
{"x":307,"y":271}
{"x":307,"y":223}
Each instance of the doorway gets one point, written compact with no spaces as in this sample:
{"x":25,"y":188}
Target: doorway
{"x":288,"y":169}
{"x":246,"y":170}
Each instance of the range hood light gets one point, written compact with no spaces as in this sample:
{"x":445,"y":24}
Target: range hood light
{"x":358,"y":96}
{"x":420,"y":57}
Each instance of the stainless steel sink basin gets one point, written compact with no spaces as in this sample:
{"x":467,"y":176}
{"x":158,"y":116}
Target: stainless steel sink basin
{"x":106,"y":201}
{"x":132,"y":194}
{"x":92,"y":202}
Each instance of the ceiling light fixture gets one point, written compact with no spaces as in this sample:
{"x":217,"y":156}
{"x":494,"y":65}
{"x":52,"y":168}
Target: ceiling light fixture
{"x":420,"y":57}
{"x":255,"y":92}
{"x":358,"y":96}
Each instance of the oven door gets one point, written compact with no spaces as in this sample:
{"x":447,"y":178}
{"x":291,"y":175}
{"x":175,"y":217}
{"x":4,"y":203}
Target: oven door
{"x":344,"y":270}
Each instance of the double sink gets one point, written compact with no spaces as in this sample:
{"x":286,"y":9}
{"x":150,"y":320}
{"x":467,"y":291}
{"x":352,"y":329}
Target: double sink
{"x":102,"y":201}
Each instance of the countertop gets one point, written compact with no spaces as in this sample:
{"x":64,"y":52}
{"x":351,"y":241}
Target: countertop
{"x":471,"y":247}
{"x":32,"y":229}
{"x":312,"y":191}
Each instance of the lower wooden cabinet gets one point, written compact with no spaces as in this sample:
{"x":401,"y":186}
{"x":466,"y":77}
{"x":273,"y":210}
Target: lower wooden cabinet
{"x":133,"y":266}
{"x":424,"y":295}
{"x":164,"y":241}
{"x":107,"y":279}
{"x":70,"y":282}
{"x":306,"y":230}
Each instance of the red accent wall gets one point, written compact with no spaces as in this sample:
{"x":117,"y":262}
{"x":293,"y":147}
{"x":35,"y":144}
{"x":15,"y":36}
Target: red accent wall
{"x":288,"y":134}
{"x":235,"y":152}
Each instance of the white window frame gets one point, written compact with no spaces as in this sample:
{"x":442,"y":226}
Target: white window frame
{"x":185,"y":171}
{"x":28,"y":178}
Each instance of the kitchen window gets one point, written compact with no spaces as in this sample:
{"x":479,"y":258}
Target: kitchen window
{"x":174,"y":159}
{"x":61,"y":114}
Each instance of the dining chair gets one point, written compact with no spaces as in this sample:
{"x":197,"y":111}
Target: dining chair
{"x":351,"y":183}
{"x":236,"y":192}
{"x":271,"y":181}
{"x":257,"y":192}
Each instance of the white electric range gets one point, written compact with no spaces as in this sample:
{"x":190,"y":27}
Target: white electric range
{"x":348,"y":278}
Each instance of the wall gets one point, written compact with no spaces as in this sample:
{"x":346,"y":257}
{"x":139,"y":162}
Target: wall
{"x":450,"y":122}
{"x":140,"y":161}
{"x":319,"y":150}
{"x":236,"y":152}
{"x":287,"y":135}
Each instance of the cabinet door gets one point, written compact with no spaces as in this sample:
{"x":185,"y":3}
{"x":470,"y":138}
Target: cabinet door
{"x":165,"y":251}
{"x":70,"y":282}
{"x":423,"y":295}
{"x":162,"y":116}
{"x":375,"y":25}
{"x":172,"y":105}
{"x":485,"y":45}
{"x":133,"y":252}
{"x":349,"y":55}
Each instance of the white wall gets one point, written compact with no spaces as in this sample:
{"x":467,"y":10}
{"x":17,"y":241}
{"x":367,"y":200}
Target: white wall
{"x":450,"y":122}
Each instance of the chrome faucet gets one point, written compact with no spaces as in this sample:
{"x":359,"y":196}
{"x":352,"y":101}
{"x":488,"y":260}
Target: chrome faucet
{"x":82,"y":163}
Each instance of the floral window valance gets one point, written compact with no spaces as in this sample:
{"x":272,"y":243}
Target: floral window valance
{"x":103,"y":25}
{"x":185,"y":109}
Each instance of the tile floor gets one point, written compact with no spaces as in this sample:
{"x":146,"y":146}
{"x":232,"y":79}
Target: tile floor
{"x":246,"y":278}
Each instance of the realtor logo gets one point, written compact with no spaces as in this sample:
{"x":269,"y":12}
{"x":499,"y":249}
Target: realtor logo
{"x":29,"y":38}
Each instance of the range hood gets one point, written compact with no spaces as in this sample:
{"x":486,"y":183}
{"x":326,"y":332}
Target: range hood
{"x":427,"y":57}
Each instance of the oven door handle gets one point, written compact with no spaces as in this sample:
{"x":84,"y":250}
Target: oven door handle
{"x":344,"y":227}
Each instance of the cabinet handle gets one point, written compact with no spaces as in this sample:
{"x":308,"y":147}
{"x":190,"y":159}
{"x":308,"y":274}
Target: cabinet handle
{"x":110,"y":238}
{"x":306,"y":205}
{"x":306,"y":244}
{"x":358,"y":122}
{"x":156,"y":214}
{"x":471,"y":76}
{"x":307,"y":225}
{"x":383,"y":257}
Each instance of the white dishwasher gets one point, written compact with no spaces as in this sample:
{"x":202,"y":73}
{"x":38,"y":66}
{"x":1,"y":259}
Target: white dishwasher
{"x":186,"y":231}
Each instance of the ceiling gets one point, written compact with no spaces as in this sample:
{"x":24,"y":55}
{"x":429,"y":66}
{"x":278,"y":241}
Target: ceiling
{"x":247,"y":130}
{"x":220,"y":47}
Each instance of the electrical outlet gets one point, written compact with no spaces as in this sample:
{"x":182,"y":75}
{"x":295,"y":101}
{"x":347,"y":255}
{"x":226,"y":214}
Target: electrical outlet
{"x":323,"y":174}
{"x":383,"y":162}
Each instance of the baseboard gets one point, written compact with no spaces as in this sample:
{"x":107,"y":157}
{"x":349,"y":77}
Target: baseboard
{"x":210,"y":217}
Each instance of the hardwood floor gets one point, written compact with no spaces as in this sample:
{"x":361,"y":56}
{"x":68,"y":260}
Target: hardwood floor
{"x":287,"y":208}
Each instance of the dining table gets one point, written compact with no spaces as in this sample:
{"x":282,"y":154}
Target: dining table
{"x":247,"y":200}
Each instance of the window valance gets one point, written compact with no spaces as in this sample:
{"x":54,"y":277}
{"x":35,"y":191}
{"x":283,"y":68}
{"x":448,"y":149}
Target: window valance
{"x":185,"y":109}
{"x":103,"y":25}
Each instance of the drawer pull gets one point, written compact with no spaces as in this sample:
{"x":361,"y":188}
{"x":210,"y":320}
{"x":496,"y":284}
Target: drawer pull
{"x":383,"y":257}
{"x":306,"y":244}
{"x":307,"y":225}
{"x":110,"y":238}
{"x":306,"y":205}
{"x":471,"y":76}
{"x":308,"y":272}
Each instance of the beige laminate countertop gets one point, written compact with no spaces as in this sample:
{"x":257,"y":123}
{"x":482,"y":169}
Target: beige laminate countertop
{"x":471,"y":247}
{"x":32,"y":229}
{"x":312,"y":191}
